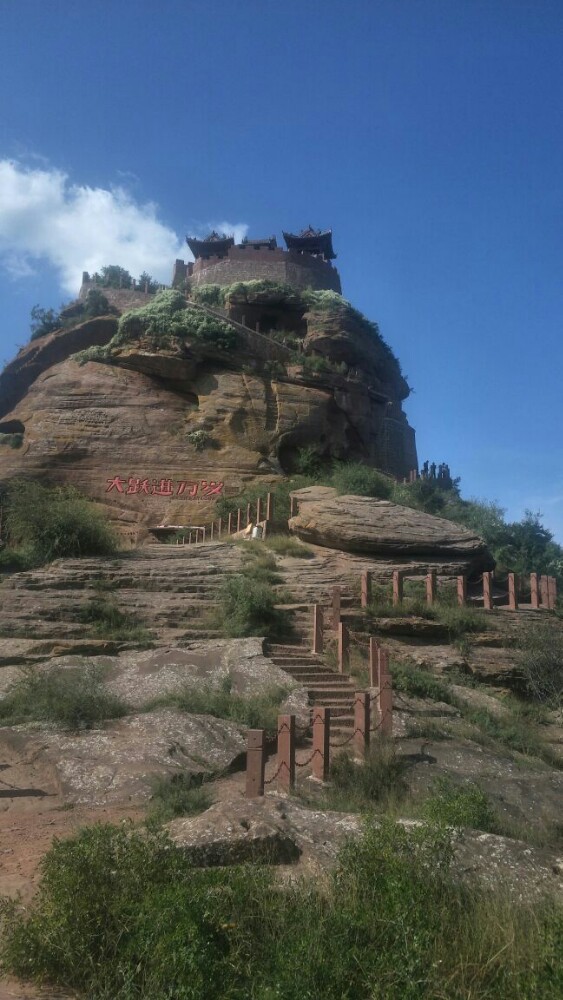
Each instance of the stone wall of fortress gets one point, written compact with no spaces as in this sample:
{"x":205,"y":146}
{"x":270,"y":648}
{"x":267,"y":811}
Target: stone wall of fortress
{"x":286,"y":266}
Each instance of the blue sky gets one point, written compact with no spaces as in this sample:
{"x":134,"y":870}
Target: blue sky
{"x":427,"y":133}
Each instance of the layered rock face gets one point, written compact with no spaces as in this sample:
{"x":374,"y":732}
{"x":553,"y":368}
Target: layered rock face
{"x":382,"y":528}
{"x":156,"y":432}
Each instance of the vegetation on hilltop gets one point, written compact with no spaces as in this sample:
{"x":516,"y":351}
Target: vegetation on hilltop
{"x":166,"y":318}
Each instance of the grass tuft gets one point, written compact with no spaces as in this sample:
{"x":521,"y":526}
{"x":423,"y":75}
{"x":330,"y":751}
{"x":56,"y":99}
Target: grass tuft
{"x":73,"y":698}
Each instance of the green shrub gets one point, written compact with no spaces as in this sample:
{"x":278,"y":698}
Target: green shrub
{"x":119,"y":914}
{"x":308,"y":462}
{"x":54,"y":522}
{"x":286,"y":545}
{"x":247,"y":607}
{"x":107,"y":621}
{"x":420,"y":684}
{"x":540,"y":658}
{"x":460,"y":620}
{"x":12,"y":440}
{"x":209,"y":295}
{"x":360,"y":480}
{"x":96,"y":303}
{"x":258,"y":711}
{"x":378,"y":779}
{"x":43,"y":321}
{"x":177,"y":795}
{"x":199,"y":439}
{"x":113,"y":276}
{"x":464,"y":805}
{"x":72,"y":698}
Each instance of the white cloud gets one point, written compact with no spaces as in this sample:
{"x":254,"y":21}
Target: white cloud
{"x":76,"y":228}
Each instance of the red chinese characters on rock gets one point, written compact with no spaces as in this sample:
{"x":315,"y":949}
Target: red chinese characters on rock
{"x":188,"y":488}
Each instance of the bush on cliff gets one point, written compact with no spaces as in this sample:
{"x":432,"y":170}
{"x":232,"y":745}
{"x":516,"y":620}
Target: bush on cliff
{"x":168,"y":316}
{"x":47,"y":523}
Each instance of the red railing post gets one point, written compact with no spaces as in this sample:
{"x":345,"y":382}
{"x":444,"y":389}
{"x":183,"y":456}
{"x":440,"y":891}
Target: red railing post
{"x":431,"y":587}
{"x":292,"y":506}
{"x":286,"y":752}
{"x":336,"y":604}
{"x":366,"y":589}
{"x":255,"y":762}
{"x":397,"y":586}
{"x":269,"y":507}
{"x":488,"y":591}
{"x":239,"y":519}
{"x":230,"y":523}
{"x":385,"y":704}
{"x":318,"y":638}
{"x":544,"y":591}
{"x":343,"y":648}
{"x":259,"y":510}
{"x":552,"y":592}
{"x":248,"y":514}
{"x":220,"y":526}
{"x":534,"y":590}
{"x":374,"y":654}
{"x":512,"y":592}
{"x":212,"y":530}
{"x":361,"y":722}
{"x":321,"y":742}
{"x":461,"y":590}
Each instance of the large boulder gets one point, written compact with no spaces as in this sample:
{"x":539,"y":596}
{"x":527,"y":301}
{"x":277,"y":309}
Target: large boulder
{"x":382,"y":528}
{"x":117,"y":765}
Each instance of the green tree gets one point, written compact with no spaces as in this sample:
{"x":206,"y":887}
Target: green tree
{"x":43,"y":321}
{"x":113,"y":276}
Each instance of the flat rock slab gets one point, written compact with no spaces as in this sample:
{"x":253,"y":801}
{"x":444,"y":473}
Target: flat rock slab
{"x":118,"y":764}
{"x":138,"y":677}
{"x":279,"y":831}
{"x":524,"y":791}
{"x":382,"y":528}
{"x":269,"y":829}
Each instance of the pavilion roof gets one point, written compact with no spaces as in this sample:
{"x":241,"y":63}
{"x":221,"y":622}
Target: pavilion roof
{"x":214,"y":245}
{"x":314,"y":241}
{"x":268,"y":241}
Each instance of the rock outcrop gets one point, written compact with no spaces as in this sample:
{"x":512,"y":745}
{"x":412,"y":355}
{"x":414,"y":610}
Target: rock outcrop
{"x":167,"y":421}
{"x":381,"y":528}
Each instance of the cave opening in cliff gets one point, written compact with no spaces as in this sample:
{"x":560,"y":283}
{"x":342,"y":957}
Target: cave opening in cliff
{"x":12,"y":427}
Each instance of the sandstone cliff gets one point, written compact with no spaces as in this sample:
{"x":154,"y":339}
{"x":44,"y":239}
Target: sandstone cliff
{"x":152,"y":425}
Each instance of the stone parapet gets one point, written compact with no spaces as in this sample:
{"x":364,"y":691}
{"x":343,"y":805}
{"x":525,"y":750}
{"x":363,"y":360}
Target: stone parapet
{"x":285,"y":266}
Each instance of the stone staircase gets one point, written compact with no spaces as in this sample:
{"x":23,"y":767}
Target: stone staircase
{"x":325,"y":687}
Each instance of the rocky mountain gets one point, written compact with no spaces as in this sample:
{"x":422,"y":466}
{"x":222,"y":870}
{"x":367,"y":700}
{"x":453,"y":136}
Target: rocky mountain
{"x":156,"y":412}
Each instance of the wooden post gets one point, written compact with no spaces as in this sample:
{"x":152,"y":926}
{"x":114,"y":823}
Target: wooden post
{"x":212,"y":530}
{"x":204,"y":533}
{"x":248,"y":514}
{"x":431,"y":587}
{"x":343,"y":648}
{"x":544,"y":591}
{"x":269,"y":507}
{"x":386,"y":705}
{"x":488,"y":591}
{"x":361,"y":722}
{"x":259,"y":516}
{"x":512,"y":592}
{"x":366,"y":589}
{"x":534,"y":590}
{"x":461,"y":590}
{"x":397,"y":587}
{"x":230,"y":524}
{"x":239,"y":519}
{"x":292,"y":506}
{"x":190,"y":539}
{"x":321,"y":742}
{"x":286,"y":752}
{"x":220,"y":526}
{"x":336,"y":602}
{"x":255,"y":762}
{"x":383,"y":665}
{"x":374,"y":654}
{"x":552,"y":592}
{"x":318,"y":639}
